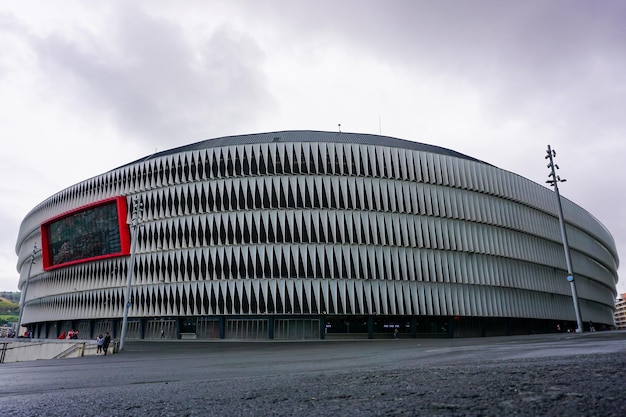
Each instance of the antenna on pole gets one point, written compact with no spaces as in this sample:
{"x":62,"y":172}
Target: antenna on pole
{"x":23,"y":297}
{"x":553,"y":181}
{"x":136,"y":222}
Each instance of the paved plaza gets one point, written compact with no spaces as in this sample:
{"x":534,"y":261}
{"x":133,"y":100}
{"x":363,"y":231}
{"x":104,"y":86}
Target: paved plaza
{"x":553,"y":375}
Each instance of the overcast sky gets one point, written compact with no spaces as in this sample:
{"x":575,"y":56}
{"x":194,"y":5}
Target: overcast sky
{"x":88,"y":86}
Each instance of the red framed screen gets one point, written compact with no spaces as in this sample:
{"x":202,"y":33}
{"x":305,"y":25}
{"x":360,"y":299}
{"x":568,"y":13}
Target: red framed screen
{"x":95,"y":231}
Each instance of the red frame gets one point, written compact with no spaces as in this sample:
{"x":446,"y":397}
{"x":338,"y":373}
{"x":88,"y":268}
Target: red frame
{"x":122,"y":213}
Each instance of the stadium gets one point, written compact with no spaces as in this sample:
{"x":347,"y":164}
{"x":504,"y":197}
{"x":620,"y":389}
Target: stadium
{"x":310,"y":235}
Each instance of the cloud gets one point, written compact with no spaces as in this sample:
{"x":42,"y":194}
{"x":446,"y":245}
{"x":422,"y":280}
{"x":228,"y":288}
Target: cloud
{"x":152,"y":83}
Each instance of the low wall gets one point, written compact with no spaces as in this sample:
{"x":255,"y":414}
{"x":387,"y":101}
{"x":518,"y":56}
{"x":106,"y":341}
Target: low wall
{"x":34,"y":349}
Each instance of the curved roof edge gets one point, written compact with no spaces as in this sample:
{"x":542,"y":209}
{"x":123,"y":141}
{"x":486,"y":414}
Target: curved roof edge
{"x":309,"y":136}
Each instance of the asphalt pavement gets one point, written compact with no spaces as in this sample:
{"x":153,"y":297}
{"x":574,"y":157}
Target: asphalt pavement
{"x":565,"y":374}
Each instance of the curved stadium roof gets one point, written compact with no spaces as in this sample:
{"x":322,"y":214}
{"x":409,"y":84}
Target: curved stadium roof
{"x":311,"y":136}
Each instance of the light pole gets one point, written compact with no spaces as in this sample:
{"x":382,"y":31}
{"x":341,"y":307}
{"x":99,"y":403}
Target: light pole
{"x":137,"y":213}
{"x":554,"y":180}
{"x":23,"y":297}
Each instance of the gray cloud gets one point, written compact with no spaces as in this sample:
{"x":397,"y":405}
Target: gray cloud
{"x":525,"y":57}
{"x":153,"y":84}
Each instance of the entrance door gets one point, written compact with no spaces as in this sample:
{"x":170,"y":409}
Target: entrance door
{"x":188,"y":325}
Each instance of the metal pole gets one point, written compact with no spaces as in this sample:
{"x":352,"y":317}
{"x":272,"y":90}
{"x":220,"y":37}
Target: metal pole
{"x":135,"y":223}
{"x":568,"y":260}
{"x":23,"y":297}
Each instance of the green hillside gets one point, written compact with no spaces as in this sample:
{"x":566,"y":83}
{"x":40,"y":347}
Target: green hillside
{"x":13,"y":296}
{"x":9,"y":307}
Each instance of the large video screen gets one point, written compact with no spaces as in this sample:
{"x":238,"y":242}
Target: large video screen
{"x":88,"y":233}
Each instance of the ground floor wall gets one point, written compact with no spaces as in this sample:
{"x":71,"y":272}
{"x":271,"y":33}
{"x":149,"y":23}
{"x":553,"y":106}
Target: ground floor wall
{"x":304,"y":327}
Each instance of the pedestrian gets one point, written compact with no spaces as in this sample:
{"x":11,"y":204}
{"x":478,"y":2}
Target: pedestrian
{"x":162,"y":334}
{"x":99,"y":344}
{"x":106,"y":342}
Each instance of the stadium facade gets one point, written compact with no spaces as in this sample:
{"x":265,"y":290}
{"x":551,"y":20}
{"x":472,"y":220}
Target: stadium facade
{"x":309,"y":235}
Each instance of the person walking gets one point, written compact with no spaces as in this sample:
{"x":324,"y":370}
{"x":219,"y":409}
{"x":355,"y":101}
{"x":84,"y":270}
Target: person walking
{"x":99,"y":344}
{"x":106,"y":342}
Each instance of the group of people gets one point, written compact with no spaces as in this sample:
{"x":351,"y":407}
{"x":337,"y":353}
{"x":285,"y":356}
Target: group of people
{"x":102,"y":343}
{"x":70,"y":334}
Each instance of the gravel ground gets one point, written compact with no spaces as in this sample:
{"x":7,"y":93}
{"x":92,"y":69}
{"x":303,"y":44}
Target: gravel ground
{"x":583,"y":385}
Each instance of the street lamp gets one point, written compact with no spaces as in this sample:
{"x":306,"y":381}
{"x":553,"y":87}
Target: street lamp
{"x":23,"y":297}
{"x":554,"y":180}
{"x":136,"y":219}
